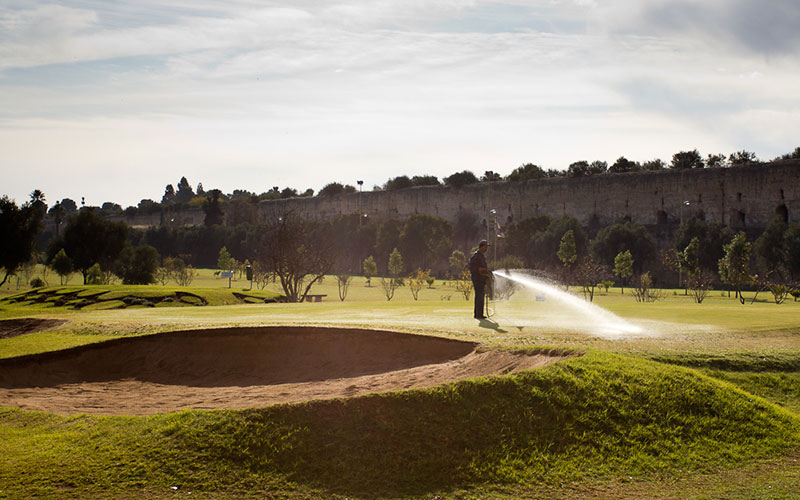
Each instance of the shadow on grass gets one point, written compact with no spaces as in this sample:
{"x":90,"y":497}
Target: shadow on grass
{"x":491,"y":325}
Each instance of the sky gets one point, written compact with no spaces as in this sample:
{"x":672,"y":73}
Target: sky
{"x":113,"y":101}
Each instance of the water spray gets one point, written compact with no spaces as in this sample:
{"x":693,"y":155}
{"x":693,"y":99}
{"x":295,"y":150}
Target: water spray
{"x":602,"y":321}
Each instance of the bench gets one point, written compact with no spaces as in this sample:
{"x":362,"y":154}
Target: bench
{"x":315,"y":298}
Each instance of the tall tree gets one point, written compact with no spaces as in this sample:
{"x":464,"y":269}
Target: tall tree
{"x":296,"y":252}
{"x":711,"y":236}
{"x":657,"y":164}
{"x":689,"y":259}
{"x":89,"y":239}
{"x":38,"y":201}
{"x":69,"y":205}
{"x":351,"y":238}
{"x":460,"y":179}
{"x":686,"y":160}
{"x":370,"y":269}
{"x":623,"y":165}
{"x":225,"y":262}
{"x":425,"y":180}
{"x":57,"y":213}
{"x":394,"y":267}
{"x":426,"y":241}
{"x":578,"y":169}
{"x":212,"y":208}
{"x":545,"y":244}
{"x":742,"y":158}
{"x":623,"y":267}
{"x":519,"y":236}
{"x":491,"y":176}
{"x":625,"y":236}
{"x":466,"y":229}
{"x":137,"y":266}
{"x":335,"y":188}
{"x":400,"y":182}
{"x":19,"y":229}
{"x":184,"y":193}
{"x":770,"y":248}
{"x":169,"y":195}
{"x":567,"y":254}
{"x":598,"y":167}
{"x":792,"y":245}
{"x":734,"y":268}
{"x":526,"y":172}
{"x":458,"y":262}
{"x":386,"y":239}
{"x":716,"y":161}
{"x":62,"y":265}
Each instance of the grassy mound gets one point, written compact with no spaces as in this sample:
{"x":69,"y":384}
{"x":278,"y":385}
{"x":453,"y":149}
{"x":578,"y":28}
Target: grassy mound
{"x":90,"y":297}
{"x":600,"y":415}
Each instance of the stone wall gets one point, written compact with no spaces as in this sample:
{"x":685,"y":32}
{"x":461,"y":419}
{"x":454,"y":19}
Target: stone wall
{"x":746,"y":197}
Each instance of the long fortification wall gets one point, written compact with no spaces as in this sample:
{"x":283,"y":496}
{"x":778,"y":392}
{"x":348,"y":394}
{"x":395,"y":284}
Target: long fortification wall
{"x":741,"y":197}
{"x":745,"y":197}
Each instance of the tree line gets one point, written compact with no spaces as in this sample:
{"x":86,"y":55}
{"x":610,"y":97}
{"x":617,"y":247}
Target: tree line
{"x":239,"y":205}
{"x":296,"y":252}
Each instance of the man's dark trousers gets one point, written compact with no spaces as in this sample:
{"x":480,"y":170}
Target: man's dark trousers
{"x":480,"y":294}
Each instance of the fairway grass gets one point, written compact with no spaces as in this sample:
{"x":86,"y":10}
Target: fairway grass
{"x":703,"y":403}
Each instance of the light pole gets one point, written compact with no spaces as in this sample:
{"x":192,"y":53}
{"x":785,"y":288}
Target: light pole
{"x":494,"y":231}
{"x":680,"y":271}
{"x":360,"y":183}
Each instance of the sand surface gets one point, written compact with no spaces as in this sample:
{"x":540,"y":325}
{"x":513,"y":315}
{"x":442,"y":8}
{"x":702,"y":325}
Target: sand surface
{"x":242,"y":368}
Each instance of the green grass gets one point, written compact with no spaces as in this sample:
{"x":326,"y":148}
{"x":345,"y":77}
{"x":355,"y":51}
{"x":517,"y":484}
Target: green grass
{"x":91,"y":297}
{"x":704,"y":404}
{"x":598,"y":416}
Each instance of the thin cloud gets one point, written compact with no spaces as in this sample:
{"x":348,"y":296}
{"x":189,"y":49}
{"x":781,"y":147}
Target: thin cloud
{"x":767,"y":28}
{"x":242,"y":94}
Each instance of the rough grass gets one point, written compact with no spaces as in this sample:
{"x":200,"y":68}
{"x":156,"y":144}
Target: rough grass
{"x":598,"y":416}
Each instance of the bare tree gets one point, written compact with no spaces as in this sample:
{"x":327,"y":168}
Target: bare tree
{"x":343,"y":281}
{"x":589,"y":274}
{"x":295,"y":252}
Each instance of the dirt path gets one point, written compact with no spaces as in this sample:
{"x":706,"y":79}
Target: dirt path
{"x":241,"y":368}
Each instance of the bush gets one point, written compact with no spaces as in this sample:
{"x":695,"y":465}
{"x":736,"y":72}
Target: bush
{"x":644,"y":291}
{"x":94,"y":276}
{"x":38,"y":282}
{"x":700,"y":284}
{"x":779,"y":292}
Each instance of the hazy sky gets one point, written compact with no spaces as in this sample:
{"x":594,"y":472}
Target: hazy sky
{"x":112,"y":101}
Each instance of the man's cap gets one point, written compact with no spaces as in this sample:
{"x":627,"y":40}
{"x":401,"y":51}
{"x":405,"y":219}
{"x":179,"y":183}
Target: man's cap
{"x":483,"y":242}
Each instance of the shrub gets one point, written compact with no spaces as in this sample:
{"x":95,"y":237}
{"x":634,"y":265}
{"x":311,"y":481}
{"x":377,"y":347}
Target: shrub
{"x":644,"y":291}
{"x":416,"y":281}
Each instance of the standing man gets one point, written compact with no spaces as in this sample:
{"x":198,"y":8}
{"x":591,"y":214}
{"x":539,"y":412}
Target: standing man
{"x":480,"y":274}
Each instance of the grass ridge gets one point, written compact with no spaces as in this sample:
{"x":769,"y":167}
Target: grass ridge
{"x":599,"y":415}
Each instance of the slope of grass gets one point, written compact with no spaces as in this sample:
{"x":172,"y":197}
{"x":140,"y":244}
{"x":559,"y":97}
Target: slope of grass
{"x":90,"y":297}
{"x":623,"y":424}
{"x":600,"y":416}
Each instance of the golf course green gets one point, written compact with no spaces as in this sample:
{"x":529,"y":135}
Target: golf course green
{"x":698,"y":401}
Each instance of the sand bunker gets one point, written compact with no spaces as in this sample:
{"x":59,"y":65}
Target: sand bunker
{"x":242,"y":368}
{"x":20,"y":326}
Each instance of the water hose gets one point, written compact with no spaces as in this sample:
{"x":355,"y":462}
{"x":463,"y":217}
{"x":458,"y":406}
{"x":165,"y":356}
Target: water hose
{"x":489,"y":291}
